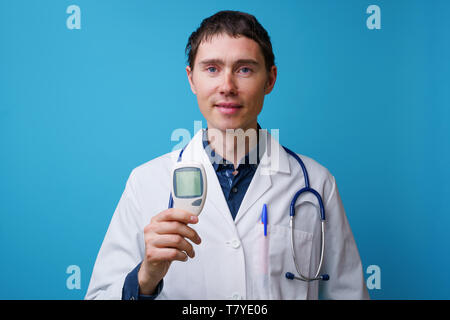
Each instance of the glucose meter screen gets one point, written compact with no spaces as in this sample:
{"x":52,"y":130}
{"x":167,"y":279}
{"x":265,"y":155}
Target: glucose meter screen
{"x":188,"y":183}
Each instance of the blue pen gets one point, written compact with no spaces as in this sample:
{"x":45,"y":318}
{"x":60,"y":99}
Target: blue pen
{"x":264,"y":219}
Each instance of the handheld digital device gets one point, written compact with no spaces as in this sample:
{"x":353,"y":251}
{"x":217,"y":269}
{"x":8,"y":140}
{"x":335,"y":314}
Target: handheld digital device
{"x":189,"y":186}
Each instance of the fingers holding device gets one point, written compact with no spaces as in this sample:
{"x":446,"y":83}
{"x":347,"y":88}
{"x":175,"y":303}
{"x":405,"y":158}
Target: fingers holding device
{"x":165,"y":241}
{"x":165,"y":236}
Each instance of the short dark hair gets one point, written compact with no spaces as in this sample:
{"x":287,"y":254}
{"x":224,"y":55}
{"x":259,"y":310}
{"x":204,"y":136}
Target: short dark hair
{"x":235,"y":24}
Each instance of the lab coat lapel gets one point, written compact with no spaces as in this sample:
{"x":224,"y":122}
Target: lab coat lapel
{"x":274,"y":160}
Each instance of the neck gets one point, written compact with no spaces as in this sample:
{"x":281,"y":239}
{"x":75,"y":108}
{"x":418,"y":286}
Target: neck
{"x":233,"y":144}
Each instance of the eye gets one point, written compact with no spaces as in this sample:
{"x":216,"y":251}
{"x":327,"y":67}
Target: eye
{"x":246,"y":70}
{"x":211,"y":69}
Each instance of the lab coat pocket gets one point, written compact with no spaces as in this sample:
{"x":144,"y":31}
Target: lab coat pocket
{"x":281,"y":261}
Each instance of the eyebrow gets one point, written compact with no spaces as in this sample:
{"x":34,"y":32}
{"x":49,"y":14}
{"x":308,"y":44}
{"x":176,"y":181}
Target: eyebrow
{"x":221,"y":62}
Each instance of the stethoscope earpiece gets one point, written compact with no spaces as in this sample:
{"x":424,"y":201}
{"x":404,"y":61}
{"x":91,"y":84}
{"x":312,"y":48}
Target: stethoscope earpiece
{"x":325,"y":277}
{"x":291,"y":276}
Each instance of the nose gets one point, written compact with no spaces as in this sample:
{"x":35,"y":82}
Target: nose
{"x":228,"y":84}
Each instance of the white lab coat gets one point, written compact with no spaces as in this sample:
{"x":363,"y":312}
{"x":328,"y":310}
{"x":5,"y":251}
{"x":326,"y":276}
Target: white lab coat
{"x":235,"y":260}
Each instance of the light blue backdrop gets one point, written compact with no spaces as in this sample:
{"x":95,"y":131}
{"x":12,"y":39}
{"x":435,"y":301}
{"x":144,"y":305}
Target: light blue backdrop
{"x":79,"y":109}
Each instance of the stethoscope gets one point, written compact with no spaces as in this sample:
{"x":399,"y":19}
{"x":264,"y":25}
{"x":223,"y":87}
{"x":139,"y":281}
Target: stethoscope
{"x":306,"y":189}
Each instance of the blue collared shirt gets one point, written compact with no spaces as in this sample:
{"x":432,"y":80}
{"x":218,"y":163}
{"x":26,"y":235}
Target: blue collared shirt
{"x":234,"y":183}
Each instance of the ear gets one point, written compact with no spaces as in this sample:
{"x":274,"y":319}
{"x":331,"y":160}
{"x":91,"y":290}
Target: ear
{"x":191,"y":82}
{"x":270,"y":83}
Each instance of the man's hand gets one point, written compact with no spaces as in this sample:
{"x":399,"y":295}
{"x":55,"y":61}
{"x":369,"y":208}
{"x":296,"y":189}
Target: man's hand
{"x":165,"y":242}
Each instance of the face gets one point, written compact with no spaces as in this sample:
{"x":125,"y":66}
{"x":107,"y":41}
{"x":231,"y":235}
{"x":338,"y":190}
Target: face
{"x":230,"y":81}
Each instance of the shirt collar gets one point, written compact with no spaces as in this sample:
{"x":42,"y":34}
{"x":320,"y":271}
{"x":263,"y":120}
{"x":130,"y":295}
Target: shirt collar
{"x":218,"y":162}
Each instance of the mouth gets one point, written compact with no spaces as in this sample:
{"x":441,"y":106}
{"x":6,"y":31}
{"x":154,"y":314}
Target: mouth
{"x":228,"y":108}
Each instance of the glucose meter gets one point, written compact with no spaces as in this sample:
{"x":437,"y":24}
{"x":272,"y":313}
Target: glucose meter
{"x":189,"y":186}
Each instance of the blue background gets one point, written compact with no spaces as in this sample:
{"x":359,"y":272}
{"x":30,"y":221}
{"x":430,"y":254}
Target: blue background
{"x":79,"y":109}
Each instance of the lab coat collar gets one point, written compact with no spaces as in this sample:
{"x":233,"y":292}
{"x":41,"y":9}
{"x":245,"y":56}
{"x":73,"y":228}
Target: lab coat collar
{"x":274,"y":158}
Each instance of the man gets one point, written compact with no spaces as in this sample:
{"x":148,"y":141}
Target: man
{"x":151,"y":252}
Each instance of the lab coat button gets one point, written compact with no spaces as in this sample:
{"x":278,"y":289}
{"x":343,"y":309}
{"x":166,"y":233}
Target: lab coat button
{"x":235,"y":243}
{"x":236,"y":296}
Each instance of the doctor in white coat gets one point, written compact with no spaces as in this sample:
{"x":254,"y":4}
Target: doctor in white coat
{"x":151,"y":252}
